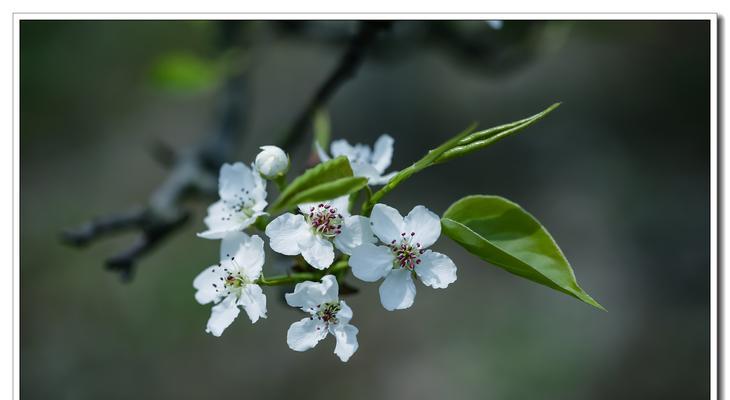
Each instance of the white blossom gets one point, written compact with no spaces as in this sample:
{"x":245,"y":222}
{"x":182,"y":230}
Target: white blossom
{"x":242,"y":194}
{"x":272,"y":162}
{"x":327,"y":314}
{"x":402,"y":255}
{"x":231,"y":283}
{"x":365,"y":162}
{"x":313,"y":232}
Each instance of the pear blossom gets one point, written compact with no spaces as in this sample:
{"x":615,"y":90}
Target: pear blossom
{"x":403,"y":255}
{"x":231,"y":283}
{"x":313,"y":232}
{"x":365,"y":162}
{"x":242,"y":194}
{"x":272,"y":162}
{"x":327,"y":314}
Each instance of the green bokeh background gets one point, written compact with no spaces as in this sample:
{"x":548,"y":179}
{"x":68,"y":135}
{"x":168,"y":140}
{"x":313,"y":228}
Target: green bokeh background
{"x":619,"y":174}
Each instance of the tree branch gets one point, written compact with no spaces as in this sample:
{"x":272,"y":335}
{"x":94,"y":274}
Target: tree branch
{"x":195,"y":171}
{"x":346,"y":68}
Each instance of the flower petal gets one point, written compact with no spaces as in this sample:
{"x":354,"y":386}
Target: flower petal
{"x":346,"y":336}
{"x":382,"y":153}
{"x":231,"y":243}
{"x":235,"y":179}
{"x":222,"y":315}
{"x":355,"y":231}
{"x":387,"y":223}
{"x":220,"y":221}
{"x":205,"y":282}
{"x":308,"y":295}
{"x":345,"y":314}
{"x":285,"y":233}
{"x":425,"y":224}
{"x":436,"y":270}
{"x":250,"y":257}
{"x":370,"y":262}
{"x":317,"y":251}
{"x":382,"y":180}
{"x":397,"y":290}
{"x":341,"y":203}
{"x":341,"y":147}
{"x":253,"y":301}
{"x":305,"y":334}
{"x":365,"y":170}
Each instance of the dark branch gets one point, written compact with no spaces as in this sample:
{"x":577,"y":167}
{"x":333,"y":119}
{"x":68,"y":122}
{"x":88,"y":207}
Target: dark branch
{"x":346,"y":68}
{"x":195,"y":171}
{"x":192,"y":173}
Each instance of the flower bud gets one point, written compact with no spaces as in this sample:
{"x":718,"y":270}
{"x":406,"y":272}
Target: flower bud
{"x":272,"y":162}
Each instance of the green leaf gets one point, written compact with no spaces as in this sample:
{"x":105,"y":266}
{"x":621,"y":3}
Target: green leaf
{"x":185,"y":72}
{"x":329,"y":190}
{"x":323,"y":182}
{"x":502,"y":233}
{"x":487,"y":137}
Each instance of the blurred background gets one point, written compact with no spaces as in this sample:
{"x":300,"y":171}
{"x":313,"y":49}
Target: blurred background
{"x":619,"y":174}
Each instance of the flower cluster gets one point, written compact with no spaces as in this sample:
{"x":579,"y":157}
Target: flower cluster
{"x":325,"y":235}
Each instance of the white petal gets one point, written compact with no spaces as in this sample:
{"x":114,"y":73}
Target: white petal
{"x":365,"y":170}
{"x":321,"y":153}
{"x":317,"y":251}
{"x":355,"y":231}
{"x":425,"y":224}
{"x":436,"y":270}
{"x":305,"y":334}
{"x":341,"y":203}
{"x":346,"y":336}
{"x":231,"y":243}
{"x":285,"y":233}
{"x":397,"y":290}
{"x":222,"y":315}
{"x":253,"y":301}
{"x":382,"y":180}
{"x":382,"y":153}
{"x":342,"y":148}
{"x":370,"y":262}
{"x":204,"y":284}
{"x":221,"y":221}
{"x":235,"y":179}
{"x":387,"y":223}
{"x":258,"y":192}
{"x":345,"y":314}
{"x":309,"y":294}
{"x":250,"y":257}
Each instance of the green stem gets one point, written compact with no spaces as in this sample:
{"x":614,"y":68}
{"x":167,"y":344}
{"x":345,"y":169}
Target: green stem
{"x":419,"y":165}
{"x":335,"y":269}
{"x":280,"y":181}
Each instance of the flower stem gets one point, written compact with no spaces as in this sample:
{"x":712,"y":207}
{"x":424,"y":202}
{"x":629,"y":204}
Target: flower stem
{"x":280,"y":182}
{"x":289,"y":279}
{"x":419,"y":165}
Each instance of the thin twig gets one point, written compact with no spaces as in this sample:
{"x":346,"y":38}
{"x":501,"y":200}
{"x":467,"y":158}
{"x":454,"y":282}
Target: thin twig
{"x":194,"y":172}
{"x":346,"y":68}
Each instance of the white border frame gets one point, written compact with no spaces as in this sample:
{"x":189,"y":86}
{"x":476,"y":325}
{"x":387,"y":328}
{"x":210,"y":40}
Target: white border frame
{"x":712,"y":18}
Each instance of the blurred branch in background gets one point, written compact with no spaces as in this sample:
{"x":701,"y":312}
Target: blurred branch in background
{"x":346,"y":69}
{"x":193,"y":172}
